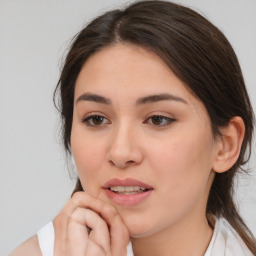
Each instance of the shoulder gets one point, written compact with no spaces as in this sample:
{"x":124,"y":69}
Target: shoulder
{"x":29,"y":247}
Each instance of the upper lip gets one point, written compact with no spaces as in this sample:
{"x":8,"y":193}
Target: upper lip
{"x":125,"y":183}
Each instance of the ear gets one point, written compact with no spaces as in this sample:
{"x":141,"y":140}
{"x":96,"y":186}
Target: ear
{"x":229,"y":145}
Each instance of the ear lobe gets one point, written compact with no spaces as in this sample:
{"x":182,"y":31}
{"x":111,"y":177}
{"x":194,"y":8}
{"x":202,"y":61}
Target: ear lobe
{"x":229,"y":145}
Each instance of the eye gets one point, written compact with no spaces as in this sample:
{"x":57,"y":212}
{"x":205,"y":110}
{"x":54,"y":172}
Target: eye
{"x":159,"y":120}
{"x":95,"y":120}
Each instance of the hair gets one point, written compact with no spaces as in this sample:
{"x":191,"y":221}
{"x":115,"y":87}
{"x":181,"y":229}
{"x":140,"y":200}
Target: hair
{"x":199,"y":55}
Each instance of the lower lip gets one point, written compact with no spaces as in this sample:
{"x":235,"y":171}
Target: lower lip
{"x":127,"y":200}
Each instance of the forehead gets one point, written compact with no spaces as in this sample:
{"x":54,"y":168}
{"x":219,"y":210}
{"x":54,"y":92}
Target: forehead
{"x":130,"y":67}
{"x":128,"y":71}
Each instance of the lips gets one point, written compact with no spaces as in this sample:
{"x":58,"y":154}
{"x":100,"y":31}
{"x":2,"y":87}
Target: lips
{"x":126,"y":183}
{"x":127,"y":192}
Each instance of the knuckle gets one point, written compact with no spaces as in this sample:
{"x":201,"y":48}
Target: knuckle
{"x":78,"y":197}
{"x":102,"y":224}
{"x":109,"y":210}
{"x":60,"y":219}
{"x":75,"y":215}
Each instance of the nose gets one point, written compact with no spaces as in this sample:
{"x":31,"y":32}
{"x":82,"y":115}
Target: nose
{"x":124,"y":150}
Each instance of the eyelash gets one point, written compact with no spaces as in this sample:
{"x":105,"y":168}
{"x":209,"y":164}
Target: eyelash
{"x":168,"y":120}
{"x":88,"y":119}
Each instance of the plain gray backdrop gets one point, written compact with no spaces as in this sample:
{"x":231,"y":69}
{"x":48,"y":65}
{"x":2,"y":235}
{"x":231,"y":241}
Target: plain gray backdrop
{"x":34,"y":36}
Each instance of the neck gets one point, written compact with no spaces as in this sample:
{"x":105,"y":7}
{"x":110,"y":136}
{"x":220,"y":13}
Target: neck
{"x":190,"y":236}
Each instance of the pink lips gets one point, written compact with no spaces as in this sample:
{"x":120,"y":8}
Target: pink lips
{"x":126,"y":182}
{"x":127,"y":200}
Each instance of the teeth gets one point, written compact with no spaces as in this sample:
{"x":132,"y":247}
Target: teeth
{"x":127,"y":189}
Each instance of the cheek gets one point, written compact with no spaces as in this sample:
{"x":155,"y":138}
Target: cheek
{"x":175,"y":159}
{"x":184,"y":154}
{"x":181,"y":172}
{"x":183,"y":167}
{"x":89,"y":156}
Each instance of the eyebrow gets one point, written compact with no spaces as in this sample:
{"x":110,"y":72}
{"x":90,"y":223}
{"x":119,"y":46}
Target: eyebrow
{"x":140,"y":101}
{"x":94,"y":98}
{"x":159,"y":97}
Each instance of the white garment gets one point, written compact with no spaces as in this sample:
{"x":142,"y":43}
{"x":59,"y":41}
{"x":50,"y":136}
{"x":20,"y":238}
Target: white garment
{"x":46,"y":239}
{"x":224,"y":242}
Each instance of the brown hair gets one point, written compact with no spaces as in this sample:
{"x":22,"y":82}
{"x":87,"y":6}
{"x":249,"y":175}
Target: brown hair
{"x":198,"y":53}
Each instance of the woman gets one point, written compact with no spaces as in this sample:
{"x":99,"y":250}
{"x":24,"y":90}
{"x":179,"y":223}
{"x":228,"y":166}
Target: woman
{"x":158,"y":120}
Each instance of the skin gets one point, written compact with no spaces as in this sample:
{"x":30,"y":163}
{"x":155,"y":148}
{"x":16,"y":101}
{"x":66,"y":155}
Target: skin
{"x":127,"y":144}
{"x":177,"y":155}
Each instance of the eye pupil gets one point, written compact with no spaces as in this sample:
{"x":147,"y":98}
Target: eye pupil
{"x":97,"y":120}
{"x":157,"y":120}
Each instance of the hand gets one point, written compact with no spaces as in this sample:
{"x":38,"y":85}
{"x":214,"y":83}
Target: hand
{"x":89,"y":227}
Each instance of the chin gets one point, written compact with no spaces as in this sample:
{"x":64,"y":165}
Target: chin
{"x":137,"y":225}
{"x":139,"y":232}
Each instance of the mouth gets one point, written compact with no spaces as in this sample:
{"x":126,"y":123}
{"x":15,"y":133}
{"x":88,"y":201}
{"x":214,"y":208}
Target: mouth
{"x":127,"y":192}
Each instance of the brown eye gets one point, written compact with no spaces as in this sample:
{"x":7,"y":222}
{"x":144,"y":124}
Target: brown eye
{"x":159,"y":120}
{"x":95,"y":120}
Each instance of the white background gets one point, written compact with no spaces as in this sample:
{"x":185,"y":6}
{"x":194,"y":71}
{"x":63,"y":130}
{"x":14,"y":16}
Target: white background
{"x":34,"y":35}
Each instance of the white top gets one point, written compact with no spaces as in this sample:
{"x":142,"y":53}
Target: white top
{"x":225,"y":241}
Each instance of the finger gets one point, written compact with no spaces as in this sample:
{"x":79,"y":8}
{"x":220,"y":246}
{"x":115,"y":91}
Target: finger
{"x":119,"y":234}
{"x":84,"y":200}
{"x":77,"y":238}
{"x":60,"y":233}
{"x":60,"y":222}
{"x":118,"y":230}
{"x":95,"y":250}
{"x":99,"y":230}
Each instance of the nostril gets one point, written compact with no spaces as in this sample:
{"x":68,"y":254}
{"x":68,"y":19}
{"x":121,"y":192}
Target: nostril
{"x":131,"y":163}
{"x":111,"y":163}
{"x":121,"y":165}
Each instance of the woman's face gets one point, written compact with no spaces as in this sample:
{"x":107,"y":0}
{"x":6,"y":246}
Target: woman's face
{"x":135,"y":125}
